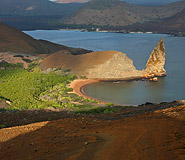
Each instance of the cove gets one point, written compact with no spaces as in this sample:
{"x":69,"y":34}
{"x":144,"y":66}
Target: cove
{"x":137,"y":47}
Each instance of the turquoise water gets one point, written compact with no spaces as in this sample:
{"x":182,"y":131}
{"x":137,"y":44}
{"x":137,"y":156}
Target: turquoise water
{"x":138,"y":47}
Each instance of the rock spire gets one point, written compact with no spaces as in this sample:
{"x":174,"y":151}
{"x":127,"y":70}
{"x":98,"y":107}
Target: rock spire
{"x":156,"y":61}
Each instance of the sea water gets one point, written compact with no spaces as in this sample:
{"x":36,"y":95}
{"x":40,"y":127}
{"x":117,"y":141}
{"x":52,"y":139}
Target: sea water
{"x":138,"y":47}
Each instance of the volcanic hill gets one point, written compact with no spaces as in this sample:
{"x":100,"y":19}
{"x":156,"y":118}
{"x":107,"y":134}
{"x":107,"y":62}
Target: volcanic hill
{"x":171,"y":24}
{"x":35,"y":14}
{"x":118,"y":13}
{"x":15,"y":41}
{"x":28,"y":8}
{"x":72,"y":1}
{"x":107,"y":65}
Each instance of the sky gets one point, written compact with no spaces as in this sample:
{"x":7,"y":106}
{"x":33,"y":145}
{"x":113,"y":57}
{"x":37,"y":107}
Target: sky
{"x":146,"y":2}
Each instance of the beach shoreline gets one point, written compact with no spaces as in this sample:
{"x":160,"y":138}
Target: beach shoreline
{"x":78,"y":84}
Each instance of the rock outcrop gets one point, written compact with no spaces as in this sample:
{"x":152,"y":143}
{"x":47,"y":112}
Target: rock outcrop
{"x":94,"y":65}
{"x":108,"y":65}
{"x":156,"y":62}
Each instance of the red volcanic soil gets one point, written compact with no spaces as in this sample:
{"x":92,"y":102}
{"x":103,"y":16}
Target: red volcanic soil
{"x":157,"y":135}
{"x":72,"y":1}
{"x":13,"y":58}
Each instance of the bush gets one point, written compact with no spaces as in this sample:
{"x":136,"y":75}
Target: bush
{"x":24,"y":88}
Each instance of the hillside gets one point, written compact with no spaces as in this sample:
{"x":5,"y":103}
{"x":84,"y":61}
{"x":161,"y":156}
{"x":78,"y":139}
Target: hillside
{"x":35,"y":8}
{"x":174,"y":24}
{"x":150,"y":2}
{"x":13,"y":40}
{"x":72,"y":1}
{"x":34,"y":14}
{"x":117,"y":13}
{"x":107,"y":65}
{"x":154,"y":135}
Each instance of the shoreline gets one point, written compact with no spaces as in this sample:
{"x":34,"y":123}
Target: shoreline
{"x":78,"y":84}
{"x":178,"y":34}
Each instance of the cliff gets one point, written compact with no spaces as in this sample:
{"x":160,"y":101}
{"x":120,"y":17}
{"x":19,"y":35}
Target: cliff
{"x":107,"y":65}
{"x":156,"y":61}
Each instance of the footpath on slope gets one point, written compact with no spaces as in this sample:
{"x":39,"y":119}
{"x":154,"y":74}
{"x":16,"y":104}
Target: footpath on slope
{"x":156,"y":135}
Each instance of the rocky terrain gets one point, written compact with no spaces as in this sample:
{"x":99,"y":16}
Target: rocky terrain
{"x":15,"y":58}
{"x":25,"y":8}
{"x":72,"y":1}
{"x":15,"y":41}
{"x":118,"y":13}
{"x":153,"y":135}
{"x":111,"y":15}
{"x":34,"y":14}
{"x":156,"y":61}
{"x":174,"y":24}
{"x":107,"y":65}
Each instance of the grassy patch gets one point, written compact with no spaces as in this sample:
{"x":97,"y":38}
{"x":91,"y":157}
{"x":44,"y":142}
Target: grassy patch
{"x":27,"y":89}
{"x":97,"y":110}
{"x":23,"y":88}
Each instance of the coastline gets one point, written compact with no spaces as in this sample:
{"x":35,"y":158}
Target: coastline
{"x":175,"y":34}
{"x":78,"y":84}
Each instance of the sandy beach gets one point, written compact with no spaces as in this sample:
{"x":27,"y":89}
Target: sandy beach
{"x":78,"y":84}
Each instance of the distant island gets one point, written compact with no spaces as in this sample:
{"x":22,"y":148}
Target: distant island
{"x":101,"y":15}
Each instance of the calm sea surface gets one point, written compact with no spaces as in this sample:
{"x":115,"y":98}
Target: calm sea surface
{"x":138,"y":47}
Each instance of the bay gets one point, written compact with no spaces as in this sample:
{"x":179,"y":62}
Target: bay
{"x":138,"y":47}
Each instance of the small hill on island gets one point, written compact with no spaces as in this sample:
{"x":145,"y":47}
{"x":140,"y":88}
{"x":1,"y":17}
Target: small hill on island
{"x":107,"y":65}
{"x":15,"y":41}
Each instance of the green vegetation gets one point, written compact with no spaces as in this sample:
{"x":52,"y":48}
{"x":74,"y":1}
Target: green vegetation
{"x":98,"y":110}
{"x":4,"y":64}
{"x":23,"y":88}
{"x":30,"y":88}
{"x":2,"y":126}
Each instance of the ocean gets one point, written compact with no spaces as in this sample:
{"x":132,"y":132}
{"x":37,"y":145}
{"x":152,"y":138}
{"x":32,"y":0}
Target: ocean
{"x":138,"y":47}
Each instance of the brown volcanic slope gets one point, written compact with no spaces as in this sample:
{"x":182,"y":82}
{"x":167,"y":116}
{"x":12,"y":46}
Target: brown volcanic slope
{"x":172,"y":24}
{"x":72,"y":1}
{"x":117,"y":13}
{"x":107,"y":65}
{"x":13,"y":40}
{"x":159,"y":135}
{"x":95,"y":65}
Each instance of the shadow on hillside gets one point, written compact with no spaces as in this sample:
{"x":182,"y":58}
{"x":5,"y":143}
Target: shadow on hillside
{"x":81,"y":138}
{"x":55,"y":140}
{"x":10,"y":118}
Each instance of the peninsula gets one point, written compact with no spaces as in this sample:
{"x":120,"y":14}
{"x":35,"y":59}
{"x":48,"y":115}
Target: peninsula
{"x":108,"y":65}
